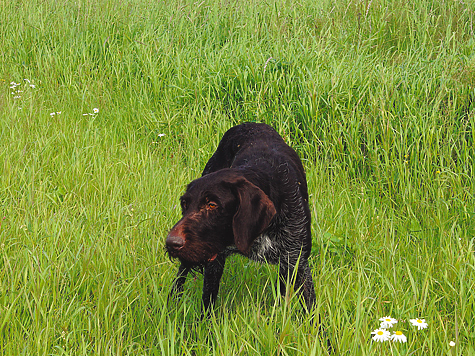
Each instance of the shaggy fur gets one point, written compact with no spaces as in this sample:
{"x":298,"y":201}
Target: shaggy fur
{"x":252,"y":200}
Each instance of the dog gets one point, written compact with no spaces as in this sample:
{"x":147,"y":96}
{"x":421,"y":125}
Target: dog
{"x":252,"y":200}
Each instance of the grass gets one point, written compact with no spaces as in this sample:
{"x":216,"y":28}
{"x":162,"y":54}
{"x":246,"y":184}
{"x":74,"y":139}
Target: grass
{"x":377,"y":98}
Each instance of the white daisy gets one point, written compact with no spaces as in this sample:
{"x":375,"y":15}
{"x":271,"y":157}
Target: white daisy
{"x":381,"y":335}
{"x":451,"y":344}
{"x":96,"y":110}
{"x":398,"y":336}
{"x":420,"y":323}
{"x":387,"y":322}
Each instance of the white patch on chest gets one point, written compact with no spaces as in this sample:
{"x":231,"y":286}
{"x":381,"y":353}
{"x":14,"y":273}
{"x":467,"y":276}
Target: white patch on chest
{"x":262,"y":249}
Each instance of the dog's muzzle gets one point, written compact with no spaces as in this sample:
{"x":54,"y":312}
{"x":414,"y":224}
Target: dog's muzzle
{"x":174,"y":243}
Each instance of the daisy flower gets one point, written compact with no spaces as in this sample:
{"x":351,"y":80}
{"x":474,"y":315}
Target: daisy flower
{"x":420,"y":323}
{"x":398,"y":336}
{"x":451,"y":344}
{"x":381,"y":335}
{"x":96,"y":110}
{"x":387,"y":322}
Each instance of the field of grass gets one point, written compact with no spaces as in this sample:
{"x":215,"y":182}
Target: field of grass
{"x":109,"y":108}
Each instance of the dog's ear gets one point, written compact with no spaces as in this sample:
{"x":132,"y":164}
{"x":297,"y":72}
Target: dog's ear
{"x":254,"y":212}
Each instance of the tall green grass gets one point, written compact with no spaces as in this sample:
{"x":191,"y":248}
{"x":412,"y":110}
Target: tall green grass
{"x":377,"y":98}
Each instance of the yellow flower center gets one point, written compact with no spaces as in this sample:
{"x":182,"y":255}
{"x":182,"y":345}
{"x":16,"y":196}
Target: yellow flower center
{"x":419,"y":320}
{"x":388,"y":319}
{"x":380,"y":332}
{"x":398,"y":333}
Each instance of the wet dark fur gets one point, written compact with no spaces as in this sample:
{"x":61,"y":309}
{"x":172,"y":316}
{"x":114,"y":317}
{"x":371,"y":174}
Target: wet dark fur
{"x":252,"y":199}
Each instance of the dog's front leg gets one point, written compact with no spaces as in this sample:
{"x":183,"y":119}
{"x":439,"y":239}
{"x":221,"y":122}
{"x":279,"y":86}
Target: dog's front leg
{"x":177,"y":288}
{"x":305,"y":282}
{"x":212,"y":276}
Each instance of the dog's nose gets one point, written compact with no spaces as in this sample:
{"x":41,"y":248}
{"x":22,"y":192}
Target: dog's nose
{"x":174,"y":242}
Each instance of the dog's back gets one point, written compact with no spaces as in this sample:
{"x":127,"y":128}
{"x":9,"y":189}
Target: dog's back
{"x":258,"y":147}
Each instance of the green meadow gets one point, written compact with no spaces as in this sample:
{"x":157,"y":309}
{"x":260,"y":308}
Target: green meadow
{"x":109,"y":108}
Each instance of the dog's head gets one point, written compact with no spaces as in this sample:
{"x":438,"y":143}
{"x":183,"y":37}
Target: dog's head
{"x":219,"y":209}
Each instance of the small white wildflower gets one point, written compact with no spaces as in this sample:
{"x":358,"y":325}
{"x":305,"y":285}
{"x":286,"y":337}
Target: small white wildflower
{"x":85,"y":114}
{"x":96,"y":110}
{"x":387,"y":322}
{"x":27,"y":80}
{"x":451,"y":344}
{"x":398,"y":336}
{"x":52,"y":113}
{"x":420,"y":323}
{"x":161,"y":135}
{"x":381,"y":335}
{"x":58,"y":112}
{"x":17,"y":97}
{"x":32,"y":86}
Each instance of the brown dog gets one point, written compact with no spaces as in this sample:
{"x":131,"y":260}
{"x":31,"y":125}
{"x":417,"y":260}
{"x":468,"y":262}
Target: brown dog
{"x":251,"y":199}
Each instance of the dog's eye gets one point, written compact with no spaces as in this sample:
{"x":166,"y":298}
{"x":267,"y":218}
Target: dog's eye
{"x":183,"y":205}
{"x":212,"y":205}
